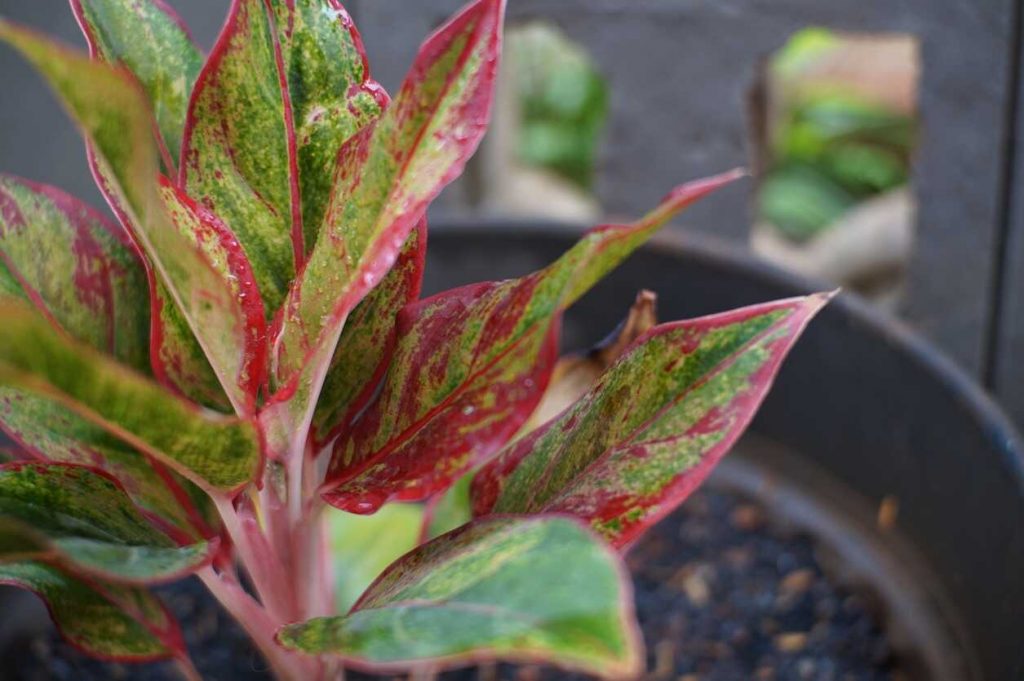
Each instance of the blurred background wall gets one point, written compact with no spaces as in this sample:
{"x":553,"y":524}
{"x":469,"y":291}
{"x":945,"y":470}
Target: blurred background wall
{"x":611,"y":102}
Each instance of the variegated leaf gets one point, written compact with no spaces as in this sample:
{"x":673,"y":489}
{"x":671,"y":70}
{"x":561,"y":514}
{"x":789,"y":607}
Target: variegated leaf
{"x":386,"y":177}
{"x":219,"y":454}
{"x":104,"y":620}
{"x":239,"y":155}
{"x":473,"y":595}
{"x":368,"y":341}
{"x":469,"y":368}
{"x":637,"y":444}
{"x":178,"y":359}
{"x":52,"y":432}
{"x":76,"y":268}
{"x":149,"y":39}
{"x":575,"y":374}
{"x":89,"y":526}
{"x":114,"y":117}
{"x":331,"y":93}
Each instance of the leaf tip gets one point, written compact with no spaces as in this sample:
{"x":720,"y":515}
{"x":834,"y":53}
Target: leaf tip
{"x":817,"y":301}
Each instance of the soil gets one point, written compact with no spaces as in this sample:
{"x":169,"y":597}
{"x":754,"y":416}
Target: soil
{"x":723,"y":594}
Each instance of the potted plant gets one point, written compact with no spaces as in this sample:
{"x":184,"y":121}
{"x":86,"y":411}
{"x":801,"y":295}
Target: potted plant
{"x":187,"y":389}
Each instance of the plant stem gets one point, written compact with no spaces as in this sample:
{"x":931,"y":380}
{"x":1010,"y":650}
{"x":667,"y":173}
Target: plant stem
{"x":261,"y":563}
{"x":261,"y":628}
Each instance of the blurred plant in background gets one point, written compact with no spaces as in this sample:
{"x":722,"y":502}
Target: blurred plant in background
{"x":833,"y":144}
{"x":563,"y":102}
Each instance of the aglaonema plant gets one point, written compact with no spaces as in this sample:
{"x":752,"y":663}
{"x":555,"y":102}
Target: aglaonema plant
{"x":197,"y":384}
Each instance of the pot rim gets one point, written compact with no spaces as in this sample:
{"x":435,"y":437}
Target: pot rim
{"x":910,"y":343}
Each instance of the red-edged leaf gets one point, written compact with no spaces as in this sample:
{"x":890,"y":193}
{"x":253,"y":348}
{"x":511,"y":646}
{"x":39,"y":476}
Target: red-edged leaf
{"x":368,"y":341}
{"x":575,"y":374}
{"x":178,"y":360}
{"x":83,"y":521}
{"x":217,"y":453}
{"x":332,"y":94}
{"x":652,"y":430}
{"x":112,"y":112}
{"x":152,"y":42}
{"x":239,"y":155}
{"x":102,"y":620}
{"x":76,"y":268}
{"x":386,"y":177}
{"x":177,"y":357}
{"x":470,"y":366}
{"x":49,"y":431}
{"x":522,"y":589}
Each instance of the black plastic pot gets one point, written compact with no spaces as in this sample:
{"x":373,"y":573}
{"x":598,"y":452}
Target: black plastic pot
{"x":865,"y":415}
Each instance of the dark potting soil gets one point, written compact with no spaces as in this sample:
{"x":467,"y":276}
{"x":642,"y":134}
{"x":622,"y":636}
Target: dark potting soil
{"x":722,"y":594}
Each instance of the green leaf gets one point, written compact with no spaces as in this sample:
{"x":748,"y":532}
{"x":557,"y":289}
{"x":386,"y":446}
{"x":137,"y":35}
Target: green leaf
{"x":219,"y":454}
{"x":153,"y":44}
{"x":386,"y":177}
{"x":473,"y":594}
{"x":179,"y":362}
{"x":331,"y":93}
{"x":178,"y":357}
{"x":239,"y":155}
{"x":368,"y":341}
{"x":91,"y":527}
{"x":575,"y":374}
{"x":76,"y":267}
{"x":471,"y":365}
{"x":103,"y":620}
{"x":54,"y":433}
{"x":113,"y":115}
{"x":653,"y":428}
{"x":363,"y":546}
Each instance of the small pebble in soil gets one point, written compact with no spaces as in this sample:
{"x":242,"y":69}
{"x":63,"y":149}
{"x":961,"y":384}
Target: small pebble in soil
{"x":722,"y":595}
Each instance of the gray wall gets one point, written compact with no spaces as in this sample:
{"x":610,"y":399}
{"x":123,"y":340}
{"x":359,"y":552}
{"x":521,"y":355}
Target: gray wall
{"x":680,"y":71}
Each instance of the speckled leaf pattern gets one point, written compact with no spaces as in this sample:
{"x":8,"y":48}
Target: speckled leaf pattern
{"x":147,"y":38}
{"x":76,"y":267}
{"x":651,"y":431}
{"x":91,"y":526}
{"x":239,"y":157}
{"x":332,"y":95}
{"x":368,"y":341}
{"x":386,"y":177}
{"x":470,"y":366}
{"x":95,"y":618}
{"x":575,"y":374}
{"x":220,"y":454}
{"x":54,"y":433}
{"x":177,"y":357}
{"x":474,"y":594}
{"x":113,"y":115}
{"x":178,"y":360}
